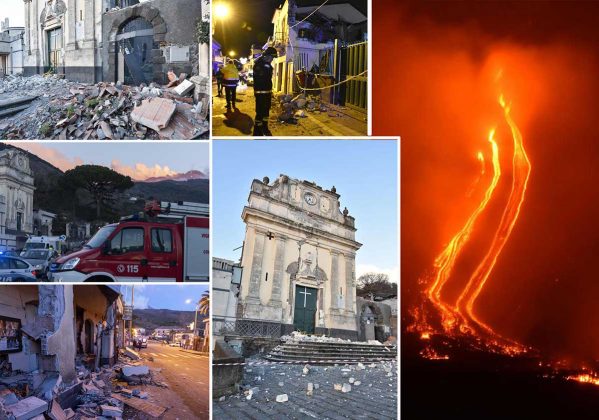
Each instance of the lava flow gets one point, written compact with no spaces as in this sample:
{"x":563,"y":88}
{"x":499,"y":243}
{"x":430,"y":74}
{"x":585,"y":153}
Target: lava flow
{"x":460,"y":317}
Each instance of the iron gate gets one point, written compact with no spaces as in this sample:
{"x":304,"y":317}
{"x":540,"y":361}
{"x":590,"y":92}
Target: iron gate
{"x":356,"y":89}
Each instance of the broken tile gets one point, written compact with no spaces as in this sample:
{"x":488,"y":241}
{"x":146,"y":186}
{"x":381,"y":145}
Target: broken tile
{"x":154,"y":113}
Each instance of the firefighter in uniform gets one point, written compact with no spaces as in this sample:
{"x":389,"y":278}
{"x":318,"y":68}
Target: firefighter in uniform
{"x":263,"y":91}
{"x":230,"y":81}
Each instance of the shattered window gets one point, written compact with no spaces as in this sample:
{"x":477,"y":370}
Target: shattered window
{"x":162,"y":240}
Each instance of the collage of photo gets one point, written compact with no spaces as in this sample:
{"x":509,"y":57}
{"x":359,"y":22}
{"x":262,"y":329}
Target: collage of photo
{"x":208,"y":209}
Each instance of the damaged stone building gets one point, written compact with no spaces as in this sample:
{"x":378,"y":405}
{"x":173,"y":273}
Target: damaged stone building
{"x":112,"y":40}
{"x":299,"y":259}
{"x":46,"y":329}
{"x":11,"y":48}
{"x":330,"y":40}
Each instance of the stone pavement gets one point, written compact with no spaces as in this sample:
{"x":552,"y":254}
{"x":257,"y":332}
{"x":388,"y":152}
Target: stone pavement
{"x":374,"y":398}
{"x":240,"y":122}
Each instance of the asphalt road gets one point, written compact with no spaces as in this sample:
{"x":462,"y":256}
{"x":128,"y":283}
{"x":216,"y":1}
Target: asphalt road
{"x":241,"y":122}
{"x":187,"y":376}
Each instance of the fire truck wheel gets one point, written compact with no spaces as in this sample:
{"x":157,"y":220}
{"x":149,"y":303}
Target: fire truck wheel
{"x":99,"y":279}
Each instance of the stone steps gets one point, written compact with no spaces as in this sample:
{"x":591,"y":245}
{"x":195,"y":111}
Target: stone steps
{"x":331,"y":352}
{"x":13,"y":106}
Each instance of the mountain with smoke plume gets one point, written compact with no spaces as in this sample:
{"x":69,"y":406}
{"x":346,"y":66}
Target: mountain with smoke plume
{"x":193,"y":174}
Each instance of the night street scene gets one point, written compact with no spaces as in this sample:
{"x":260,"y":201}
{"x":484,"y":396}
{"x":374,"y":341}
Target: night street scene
{"x":103,"y":212}
{"x":104,"y":69}
{"x":290,"y":68}
{"x":104,"y":351}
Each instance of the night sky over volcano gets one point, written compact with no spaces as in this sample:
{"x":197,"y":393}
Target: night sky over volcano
{"x":439,"y":68}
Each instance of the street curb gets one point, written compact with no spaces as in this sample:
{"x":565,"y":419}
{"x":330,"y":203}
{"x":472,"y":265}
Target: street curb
{"x":199,"y":353}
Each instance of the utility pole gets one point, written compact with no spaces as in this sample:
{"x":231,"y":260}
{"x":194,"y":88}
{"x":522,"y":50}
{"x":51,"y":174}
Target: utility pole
{"x":131,"y":321}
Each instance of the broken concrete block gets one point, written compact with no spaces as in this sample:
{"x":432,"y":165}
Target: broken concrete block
{"x":69,"y":413}
{"x":306,"y":370}
{"x":184,"y":88}
{"x":110,"y":411}
{"x":351,"y":380}
{"x":338,"y":387}
{"x":56,"y":412}
{"x":360,"y":366}
{"x":154,"y":113}
{"x":346,"y":388}
{"x":131,"y":354}
{"x":28,"y":408}
{"x":140,"y":370}
{"x":282,"y":398}
{"x":357,"y":383}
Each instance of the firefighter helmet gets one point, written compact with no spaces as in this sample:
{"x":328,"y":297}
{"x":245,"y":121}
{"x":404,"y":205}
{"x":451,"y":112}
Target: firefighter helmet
{"x":271,"y":51}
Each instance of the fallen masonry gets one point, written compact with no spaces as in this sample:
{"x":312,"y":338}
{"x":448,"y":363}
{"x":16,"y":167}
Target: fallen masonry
{"x":95,"y":393}
{"x":284,"y":391}
{"x":50,"y":107}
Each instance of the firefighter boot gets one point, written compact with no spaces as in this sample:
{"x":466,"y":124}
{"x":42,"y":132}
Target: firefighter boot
{"x":258,"y":131}
{"x":265,"y":130}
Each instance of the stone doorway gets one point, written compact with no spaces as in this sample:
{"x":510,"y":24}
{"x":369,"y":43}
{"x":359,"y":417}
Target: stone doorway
{"x":89,"y":337}
{"x":304,"y":314}
{"x":135,"y":42}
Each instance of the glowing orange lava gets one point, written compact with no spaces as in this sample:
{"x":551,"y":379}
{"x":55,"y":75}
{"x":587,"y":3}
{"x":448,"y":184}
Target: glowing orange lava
{"x":585,"y":378}
{"x":461,"y":315}
{"x":520,"y":175}
{"x":446,"y":260}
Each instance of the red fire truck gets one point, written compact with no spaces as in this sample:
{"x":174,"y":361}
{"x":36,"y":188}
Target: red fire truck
{"x":169,"y":242}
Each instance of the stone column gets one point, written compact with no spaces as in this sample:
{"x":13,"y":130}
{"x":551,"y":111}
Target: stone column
{"x":88,"y":18}
{"x":27,"y":35}
{"x":71,"y":23}
{"x":334,"y":279}
{"x":256,"y":273}
{"x":349,"y":281}
{"x":279,"y":271}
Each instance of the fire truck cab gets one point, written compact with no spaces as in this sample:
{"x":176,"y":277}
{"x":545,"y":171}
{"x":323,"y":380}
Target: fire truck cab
{"x":164,"y":244}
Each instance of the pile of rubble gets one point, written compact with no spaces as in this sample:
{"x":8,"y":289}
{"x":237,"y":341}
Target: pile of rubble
{"x":102,"y":392}
{"x":50,"y":107}
{"x":301,"y":337}
{"x":292,"y":109}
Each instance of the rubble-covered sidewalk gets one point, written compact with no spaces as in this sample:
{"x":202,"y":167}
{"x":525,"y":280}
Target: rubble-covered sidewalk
{"x":302,"y":115}
{"x":50,"y":107}
{"x":305,"y":392}
{"x":129,"y":390}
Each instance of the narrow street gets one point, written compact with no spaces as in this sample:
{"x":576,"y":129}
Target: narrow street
{"x":186,"y":373}
{"x":338,"y":121}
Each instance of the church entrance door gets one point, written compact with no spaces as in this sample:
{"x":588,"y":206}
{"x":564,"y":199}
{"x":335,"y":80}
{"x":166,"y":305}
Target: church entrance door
{"x":134,"y":53}
{"x":305,"y":309}
{"x":54,"y":47}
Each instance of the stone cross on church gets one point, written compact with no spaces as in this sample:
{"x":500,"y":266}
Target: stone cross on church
{"x":299,"y":259}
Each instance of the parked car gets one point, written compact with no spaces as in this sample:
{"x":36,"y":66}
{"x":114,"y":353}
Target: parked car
{"x":17,"y":278}
{"x":40,"y":259}
{"x":15,"y":268}
{"x":144,"y":342}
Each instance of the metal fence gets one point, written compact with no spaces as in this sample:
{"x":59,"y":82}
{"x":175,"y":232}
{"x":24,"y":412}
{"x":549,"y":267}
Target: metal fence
{"x":356,"y":94}
{"x":243,"y":327}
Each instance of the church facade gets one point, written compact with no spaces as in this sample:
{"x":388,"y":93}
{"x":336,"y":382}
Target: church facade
{"x":112,"y":40}
{"x":299,"y":259}
{"x":16,"y":199}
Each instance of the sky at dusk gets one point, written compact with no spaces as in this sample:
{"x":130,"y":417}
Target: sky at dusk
{"x":364,"y":173}
{"x":181,"y":297}
{"x":138,"y":160}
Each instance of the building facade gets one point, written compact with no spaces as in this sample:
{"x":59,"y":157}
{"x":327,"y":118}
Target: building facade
{"x":313,"y":43}
{"x":11,"y":48}
{"x":112,"y":40}
{"x":299,"y":259}
{"x":16,"y":199}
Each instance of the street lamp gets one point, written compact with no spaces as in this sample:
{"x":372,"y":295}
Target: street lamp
{"x":221,"y":10}
{"x":232,"y":53}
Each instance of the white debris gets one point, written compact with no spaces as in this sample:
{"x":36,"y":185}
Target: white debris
{"x":360,"y":366}
{"x":357,"y":383}
{"x":338,"y":387}
{"x":282,"y":398}
{"x":351,"y":380}
{"x":306,"y":369}
{"x":346,"y":388}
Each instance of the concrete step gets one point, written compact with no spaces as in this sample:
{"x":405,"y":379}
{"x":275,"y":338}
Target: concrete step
{"x":333,"y":344}
{"x":326,"y":360}
{"x":12,"y":106}
{"x":337,"y":353}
